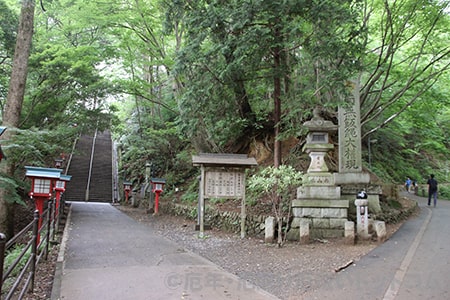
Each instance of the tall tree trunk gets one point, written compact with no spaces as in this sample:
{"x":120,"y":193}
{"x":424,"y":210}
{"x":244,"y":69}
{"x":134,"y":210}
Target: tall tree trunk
{"x":277,"y":156}
{"x":13,"y":107}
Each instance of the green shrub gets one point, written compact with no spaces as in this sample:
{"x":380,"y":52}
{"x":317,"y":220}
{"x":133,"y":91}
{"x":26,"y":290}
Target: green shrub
{"x":444,"y":191}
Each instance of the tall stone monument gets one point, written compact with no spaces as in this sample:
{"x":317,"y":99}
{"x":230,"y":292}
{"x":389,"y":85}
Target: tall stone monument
{"x":351,"y":177}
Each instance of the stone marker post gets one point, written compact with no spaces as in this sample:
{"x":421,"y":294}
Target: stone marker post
{"x":362,"y":218}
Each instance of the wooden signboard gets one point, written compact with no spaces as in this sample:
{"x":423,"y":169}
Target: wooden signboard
{"x":222,"y":176}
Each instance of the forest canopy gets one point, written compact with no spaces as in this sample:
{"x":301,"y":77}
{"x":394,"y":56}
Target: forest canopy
{"x":173,"y":77}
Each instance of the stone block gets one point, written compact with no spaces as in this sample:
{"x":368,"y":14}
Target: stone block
{"x":293,"y":234}
{"x":297,"y":212}
{"x":320,"y":203}
{"x":304,"y":231}
{"x":380,"y":230}
{"x":329,"y":233}
{"x":337,"y":223}
{"x":361,"y":202}
{"x":295,"y":222}
{"x":351,"y":178}
{"x":321,"y":223}
{"x":337,"y":213}
{"x":309,"y":212}
{"x":319,"y":179}
{"x":374,"y":203}
{"x":269,"y":230}
{"x":349,"y":232}
{"x":318,"y":192}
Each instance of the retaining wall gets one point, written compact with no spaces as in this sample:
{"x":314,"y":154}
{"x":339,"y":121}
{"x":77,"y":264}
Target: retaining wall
{"x":224,"y":220}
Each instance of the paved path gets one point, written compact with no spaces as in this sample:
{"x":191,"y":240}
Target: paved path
{"x":110,"y":256}
{"x":107,"y":255}
{"x":413,"y":264}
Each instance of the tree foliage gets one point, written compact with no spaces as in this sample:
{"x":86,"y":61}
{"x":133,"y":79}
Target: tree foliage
{"x":263,"y":63}
{"x":406,"y":56}
{"x":8,"y":30}
{"x":214,"y":76}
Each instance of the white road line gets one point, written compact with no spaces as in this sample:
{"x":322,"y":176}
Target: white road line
{"x":394,"y":287}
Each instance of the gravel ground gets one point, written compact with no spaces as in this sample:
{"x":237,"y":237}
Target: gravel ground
{"x":288,"y":272}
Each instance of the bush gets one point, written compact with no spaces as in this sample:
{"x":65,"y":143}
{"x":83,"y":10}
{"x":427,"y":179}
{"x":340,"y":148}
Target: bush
{"x":278,"y":184}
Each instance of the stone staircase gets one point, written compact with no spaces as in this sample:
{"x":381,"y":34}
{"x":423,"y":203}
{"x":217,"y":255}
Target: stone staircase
{"x":100,"y":184}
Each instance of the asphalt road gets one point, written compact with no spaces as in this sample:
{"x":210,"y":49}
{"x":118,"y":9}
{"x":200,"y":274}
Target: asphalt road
{"x":413,"y":264}
{"x":107,"y":255}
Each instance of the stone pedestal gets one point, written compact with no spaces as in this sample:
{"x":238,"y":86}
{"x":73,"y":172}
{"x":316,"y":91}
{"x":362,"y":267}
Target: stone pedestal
{"x":318,"y":203}
{"x":326,"y":218}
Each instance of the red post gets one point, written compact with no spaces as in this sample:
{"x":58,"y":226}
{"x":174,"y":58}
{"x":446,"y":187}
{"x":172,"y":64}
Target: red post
{"x":157,"y":200}
{"x":39,"y":203}
{"x":57,"y":198}
{"x":127,"y":191}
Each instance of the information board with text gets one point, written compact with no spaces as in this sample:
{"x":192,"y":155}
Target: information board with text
{"x":224,"y":184}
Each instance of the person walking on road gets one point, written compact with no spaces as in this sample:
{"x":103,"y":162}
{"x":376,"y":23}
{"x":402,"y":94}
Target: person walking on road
{"x":408,"y":184}
{"x":432,"y":189}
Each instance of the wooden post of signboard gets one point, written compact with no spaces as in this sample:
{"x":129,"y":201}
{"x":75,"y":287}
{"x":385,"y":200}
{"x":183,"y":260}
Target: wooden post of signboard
{"x":201,"y":205}
{"x":243,"y":213}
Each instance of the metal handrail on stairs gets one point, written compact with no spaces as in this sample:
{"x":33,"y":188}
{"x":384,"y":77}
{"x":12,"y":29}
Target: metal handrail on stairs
{"x":86,"y":197}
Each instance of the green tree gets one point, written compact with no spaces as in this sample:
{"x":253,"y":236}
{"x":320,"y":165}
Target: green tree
{"x":8,"y":30}
{"x":406,"y":55}
{"x":245,"y":57}
{"x":13,"y":107}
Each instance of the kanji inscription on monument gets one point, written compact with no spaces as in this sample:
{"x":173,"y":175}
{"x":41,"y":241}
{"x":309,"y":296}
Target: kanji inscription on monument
{"x":224,"y":184}
{"x":350,"y":135}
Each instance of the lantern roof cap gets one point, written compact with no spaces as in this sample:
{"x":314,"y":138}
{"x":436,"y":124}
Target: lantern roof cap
{"x":65,"y":177}
{"x":158,"y":180}
{"x":43,"y":172}
{"x":223,"y":159}
{"x":318,"y":124}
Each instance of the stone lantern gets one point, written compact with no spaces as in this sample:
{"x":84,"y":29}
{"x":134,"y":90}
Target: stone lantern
{"x":317,"y":141}
{"x":318,"y":210}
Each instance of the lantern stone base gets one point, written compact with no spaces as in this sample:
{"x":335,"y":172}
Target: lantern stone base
{"x":326,"y":217}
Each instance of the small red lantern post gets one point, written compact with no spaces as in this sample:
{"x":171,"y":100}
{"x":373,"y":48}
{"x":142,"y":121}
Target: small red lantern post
{"x":42,"y":182}
{"x":58,"y":163}
{"x":158,"y":186}
{"x":127,"y":189}
{"x":60,"y":188}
